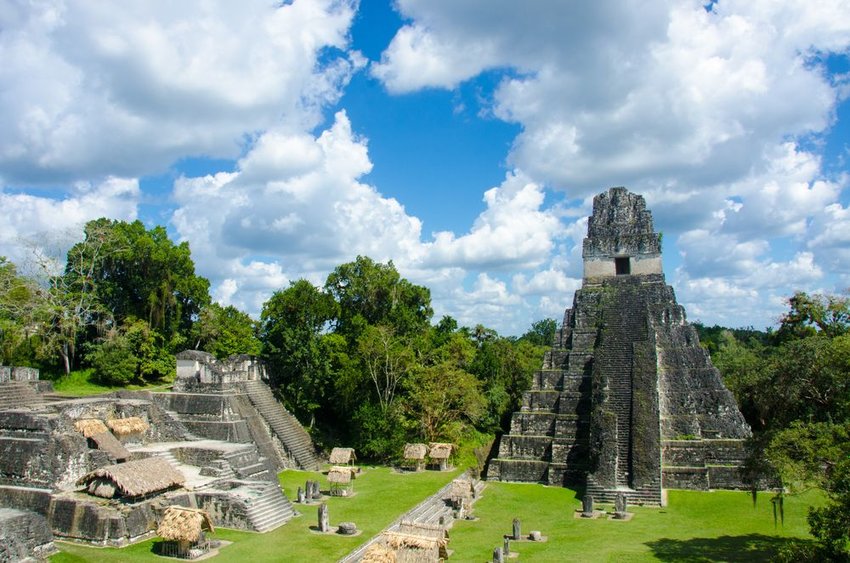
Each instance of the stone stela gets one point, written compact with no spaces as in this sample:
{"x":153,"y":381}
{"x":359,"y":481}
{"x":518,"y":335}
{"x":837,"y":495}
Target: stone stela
{"x":626,"y":401}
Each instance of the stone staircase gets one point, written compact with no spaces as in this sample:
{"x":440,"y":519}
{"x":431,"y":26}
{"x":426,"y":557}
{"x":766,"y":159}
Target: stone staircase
{"x":286,"y":427}
{"x":17,"y":395}
{"x":622,"y":327}
{"x":269,"y":509}
{"x":247,"y":464}
{"x":548,"y":435}
{"x":624,"y":330}
{"x":429,"y":511}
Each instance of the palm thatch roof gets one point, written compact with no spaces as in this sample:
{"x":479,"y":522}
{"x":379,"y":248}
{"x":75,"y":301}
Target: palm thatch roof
{"x":399,"y":540}
{"x":422,"y":529}
{"x":127,"y":426}
{"x":342,"y":456}
{"x":88,"y":427}
{"x":339,"y":475}
{"x":107,"y":442}
{"x":439,"y":450}
{"x":461,"y":489}
{"x":184,"y":524}
{"x":132,"y":479}
{"x":415,"y":452}
{"x":379,"y":553}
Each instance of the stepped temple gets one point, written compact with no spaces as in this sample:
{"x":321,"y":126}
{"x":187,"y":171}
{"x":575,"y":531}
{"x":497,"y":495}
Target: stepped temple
{"x":627,"y":401}
{"x":104,"y":469}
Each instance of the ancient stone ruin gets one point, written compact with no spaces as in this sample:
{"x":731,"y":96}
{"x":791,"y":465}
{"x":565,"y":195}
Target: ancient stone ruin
{"x":104,"y":469}
{"x":627,"y":401}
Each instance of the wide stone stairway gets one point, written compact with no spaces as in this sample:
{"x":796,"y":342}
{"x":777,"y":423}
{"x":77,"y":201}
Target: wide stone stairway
{"x":291,"y":434}
{"x":624,"y":331}
{"x":18,"y":394}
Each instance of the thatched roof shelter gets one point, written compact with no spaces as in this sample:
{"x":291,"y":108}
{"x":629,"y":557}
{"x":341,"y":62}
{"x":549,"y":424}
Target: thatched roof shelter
{"x":184,"y":524}
{"x":107,"y":442}
{"x":422,"y":529}
{"x":461,"y":489}
{"x":132,"y":479}
{"x":341,"y":475}
{"x":415,"y":452}
{"x":342,"y":456}
{"x":379,"y":553}
{"x":127,"y":426}
{"x":439,"y":450}
{"x":424,"y":548}
{"x":88,"y":427}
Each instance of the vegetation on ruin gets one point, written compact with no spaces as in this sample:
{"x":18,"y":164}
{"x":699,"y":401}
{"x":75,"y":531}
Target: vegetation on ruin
{"x":695,"y":526}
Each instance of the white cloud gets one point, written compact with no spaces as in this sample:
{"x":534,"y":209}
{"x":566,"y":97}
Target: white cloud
{"x":295,"y":207}
{"x":702,"y":111}
{"x":89,"y":89}
{"x":27,"y":219}
{"x":513,"y":232}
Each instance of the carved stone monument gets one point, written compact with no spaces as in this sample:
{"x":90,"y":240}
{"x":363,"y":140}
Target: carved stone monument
{"x":620,"y":506}
{"x":498,"y":555}
{"x":324,"y":520}
{"x":301,"y":496}
{"x":517,"y":530}
{"x":627,"y":400}
{"x":587,"y":506}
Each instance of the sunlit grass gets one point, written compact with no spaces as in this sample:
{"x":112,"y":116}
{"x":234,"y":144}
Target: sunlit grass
{"x":695,"y":526}
{"x":381,"y":495}
{"x":81,"y":383}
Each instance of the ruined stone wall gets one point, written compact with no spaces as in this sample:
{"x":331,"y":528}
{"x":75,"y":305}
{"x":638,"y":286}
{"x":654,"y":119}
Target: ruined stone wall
{"x":24,"y":536}
{"x":200,"y":371}
{"x":8,"y":373}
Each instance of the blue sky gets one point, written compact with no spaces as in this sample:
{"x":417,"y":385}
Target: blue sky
{"x":462,"y":139}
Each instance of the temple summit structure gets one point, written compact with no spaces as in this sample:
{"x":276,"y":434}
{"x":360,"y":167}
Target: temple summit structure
{"x":627,"y":401}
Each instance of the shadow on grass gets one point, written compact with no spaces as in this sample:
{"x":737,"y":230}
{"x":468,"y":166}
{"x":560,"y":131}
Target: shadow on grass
{"x":752,"y":547}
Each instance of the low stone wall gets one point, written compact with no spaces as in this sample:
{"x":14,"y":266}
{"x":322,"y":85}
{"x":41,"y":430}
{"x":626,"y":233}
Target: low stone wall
{"x":24,"y":536}
{"x":8,"y":373}
{"x":691,"y":478}
{"x":529,"y":471}
{"x":80,"y":519}
{"x":24,"y":498}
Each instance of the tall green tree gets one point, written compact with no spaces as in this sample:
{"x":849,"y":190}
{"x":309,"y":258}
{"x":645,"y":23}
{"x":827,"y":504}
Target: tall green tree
{"x":20,"y":300}
{"x":225,"y":331}
{"x":142,"y":274}
{"x":371,"y":293}
{"x":293,"y":322}
{"x":796,"y":392}
{"x":542,"y":332}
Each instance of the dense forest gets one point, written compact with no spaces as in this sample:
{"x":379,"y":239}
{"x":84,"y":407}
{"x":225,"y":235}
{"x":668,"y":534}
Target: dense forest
{"x":359,"y":361}
{"x":362,"y":361}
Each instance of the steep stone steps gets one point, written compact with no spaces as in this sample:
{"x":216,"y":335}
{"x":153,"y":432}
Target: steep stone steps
{"x":292,"y":435}
{"x":269,"y":509}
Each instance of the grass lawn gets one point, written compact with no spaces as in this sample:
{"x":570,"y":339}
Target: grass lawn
{"x":380,"y":497}
{"x":694,"y":527}
{"x":81,"y":384}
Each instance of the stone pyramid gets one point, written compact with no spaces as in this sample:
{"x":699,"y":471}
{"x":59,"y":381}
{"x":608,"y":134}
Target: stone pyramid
{"x":626,"y":401}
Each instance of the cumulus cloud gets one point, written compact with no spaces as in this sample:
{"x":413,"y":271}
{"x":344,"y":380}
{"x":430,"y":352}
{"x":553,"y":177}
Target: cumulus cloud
{"x":295,"y":207}
{"x":705,"y":110}
{"x":513,"y":232}
{"x":89,"y":89}
{"x":28,"y":218}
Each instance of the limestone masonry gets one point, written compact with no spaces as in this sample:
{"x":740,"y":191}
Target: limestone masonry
{"x":627,"y":401}
{"x":104,"y":469}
